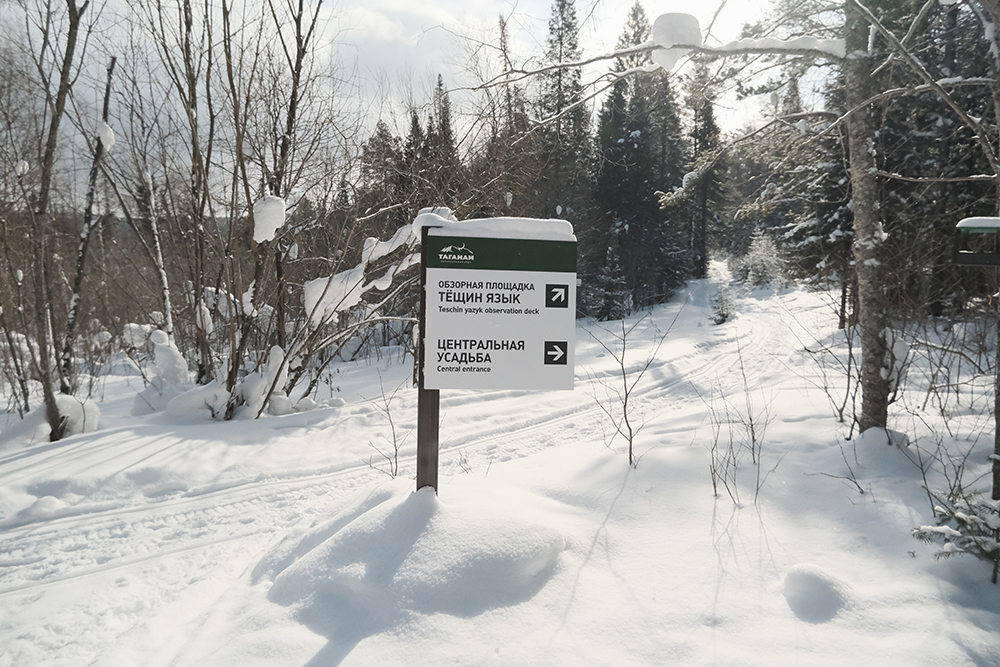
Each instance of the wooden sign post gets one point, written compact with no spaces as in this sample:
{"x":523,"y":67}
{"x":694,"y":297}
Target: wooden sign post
{"x":497,"y":311}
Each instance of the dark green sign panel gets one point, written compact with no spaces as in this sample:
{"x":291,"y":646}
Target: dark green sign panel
{"x":464,"y":252}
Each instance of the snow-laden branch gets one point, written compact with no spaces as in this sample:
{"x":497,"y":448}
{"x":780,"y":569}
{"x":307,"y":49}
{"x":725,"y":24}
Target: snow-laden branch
{"x":326,"y":297}
{"x":832,"y":49}
{"x":911,"y":90}
{"x":914,"y":25}
{"x":516,"y":75}
{"x":711,"y":158}
{"x":936,"y":179}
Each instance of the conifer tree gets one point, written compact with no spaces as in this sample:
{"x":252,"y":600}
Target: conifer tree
{"x":615,"y":299}
{"x":566,"y":151}
{"x":382,"y":177}
{"x":445,"y":170}
{"x":412,"y":163}
{"x":637,"y":138}
{"x":708,"y":194}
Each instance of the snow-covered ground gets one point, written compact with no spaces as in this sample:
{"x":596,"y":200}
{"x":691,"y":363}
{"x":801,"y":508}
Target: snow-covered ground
{"x":160,"y":540}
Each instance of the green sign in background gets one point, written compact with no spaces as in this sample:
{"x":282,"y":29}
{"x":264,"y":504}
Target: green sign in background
{"x":500,"y":254}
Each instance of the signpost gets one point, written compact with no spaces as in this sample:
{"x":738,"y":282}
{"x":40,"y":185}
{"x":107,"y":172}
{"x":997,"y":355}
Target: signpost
{"x":498,"y":311}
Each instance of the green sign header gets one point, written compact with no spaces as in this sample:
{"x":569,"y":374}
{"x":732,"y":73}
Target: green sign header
{"x":466,"y":252}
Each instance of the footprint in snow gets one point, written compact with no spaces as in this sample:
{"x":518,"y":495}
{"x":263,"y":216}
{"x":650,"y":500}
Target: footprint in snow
{"x":814,"y":594}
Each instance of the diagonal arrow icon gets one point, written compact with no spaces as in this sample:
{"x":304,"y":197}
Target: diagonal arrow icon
{"x":557,"y":296}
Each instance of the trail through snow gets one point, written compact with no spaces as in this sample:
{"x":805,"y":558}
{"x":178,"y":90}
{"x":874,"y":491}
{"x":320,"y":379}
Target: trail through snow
{"x":160,"y":540}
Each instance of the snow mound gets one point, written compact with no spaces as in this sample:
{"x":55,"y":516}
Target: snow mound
{"x":205,"y":402}
{"x":813,"y":594}
{"x":395,"y":555}
{"x":82,"y":416}
{"x":45,"y":507}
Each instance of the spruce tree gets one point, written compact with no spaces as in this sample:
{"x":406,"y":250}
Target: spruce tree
{"x":708,"y":194}
{"x":566,"y":152}
{"x":638,"y":145}
{"x":444,"y":169}
{"x":382,"y":183}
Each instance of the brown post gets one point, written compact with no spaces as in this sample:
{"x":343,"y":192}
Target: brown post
{"x":428,"y":400}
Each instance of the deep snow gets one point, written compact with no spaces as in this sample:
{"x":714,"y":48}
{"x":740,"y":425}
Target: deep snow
{"x":174,"y":540}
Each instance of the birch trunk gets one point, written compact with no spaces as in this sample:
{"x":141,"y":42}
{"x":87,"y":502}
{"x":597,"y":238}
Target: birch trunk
{"x":90,"y":222}
{"x":868,"y":232}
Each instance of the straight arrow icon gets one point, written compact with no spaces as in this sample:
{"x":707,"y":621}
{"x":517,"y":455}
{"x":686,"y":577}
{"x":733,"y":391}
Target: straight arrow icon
{"x":556,"y":353}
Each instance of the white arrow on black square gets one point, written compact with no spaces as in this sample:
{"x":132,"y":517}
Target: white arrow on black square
{"x":556,"y":352}
{"x":557,"y":296}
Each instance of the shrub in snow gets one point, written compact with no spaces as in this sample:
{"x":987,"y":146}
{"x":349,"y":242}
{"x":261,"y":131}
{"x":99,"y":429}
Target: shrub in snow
{"x":723,"y":305}
{"x":207,"y":401}
{"x":253,"y":391}
{"x":81,"y":417}
{"x":168,"y":361}
{"x":135,"y":336}
{"x":170,"y":375}
{"x":761,"y":266}
{"x":967,"y":523}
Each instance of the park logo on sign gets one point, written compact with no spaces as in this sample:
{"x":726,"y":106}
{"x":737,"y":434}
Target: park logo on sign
{"x":457,"y":255}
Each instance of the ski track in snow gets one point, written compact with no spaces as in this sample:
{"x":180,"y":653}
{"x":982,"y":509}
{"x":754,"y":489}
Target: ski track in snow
{"x":215,"y":531}
{"x":97,"y":540}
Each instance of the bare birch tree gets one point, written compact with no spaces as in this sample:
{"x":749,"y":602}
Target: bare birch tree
{"x":54,"y":35}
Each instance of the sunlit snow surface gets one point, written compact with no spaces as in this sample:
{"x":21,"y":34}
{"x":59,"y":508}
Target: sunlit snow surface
{"x":176,"y":540}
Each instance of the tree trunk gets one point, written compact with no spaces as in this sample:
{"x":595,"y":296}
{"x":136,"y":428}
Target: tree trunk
{"x":996,"y":430}
{"x":89,"y":225}
{"x":41,"y":224}
{"x":868,"y":232}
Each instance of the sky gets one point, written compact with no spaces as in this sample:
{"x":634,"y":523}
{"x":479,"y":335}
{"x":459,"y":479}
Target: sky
{"x":404,"y":45}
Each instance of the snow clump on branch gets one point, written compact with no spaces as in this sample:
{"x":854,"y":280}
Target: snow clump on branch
{"x":107,"y":136}
{"x":669,"y":30}
{"x":268,"y":218}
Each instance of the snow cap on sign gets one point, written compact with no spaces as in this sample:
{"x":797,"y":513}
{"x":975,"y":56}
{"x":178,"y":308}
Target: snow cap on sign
{"x":500,"y":228}
{"x":670,"y":30}
{"x":983,"y":224}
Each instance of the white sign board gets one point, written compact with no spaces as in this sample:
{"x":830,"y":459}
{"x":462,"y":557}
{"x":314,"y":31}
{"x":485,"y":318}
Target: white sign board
{"x":500,"y":311}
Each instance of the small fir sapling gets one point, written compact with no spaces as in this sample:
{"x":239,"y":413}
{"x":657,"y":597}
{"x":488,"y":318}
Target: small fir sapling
{"x":761,"y":266}
{"x":966,"y":523}
{"x":723,"y":305}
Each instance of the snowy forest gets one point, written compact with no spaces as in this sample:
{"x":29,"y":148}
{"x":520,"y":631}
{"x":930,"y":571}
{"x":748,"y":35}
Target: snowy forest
{"x":781,"y":446}
{"x":209,"y":174}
